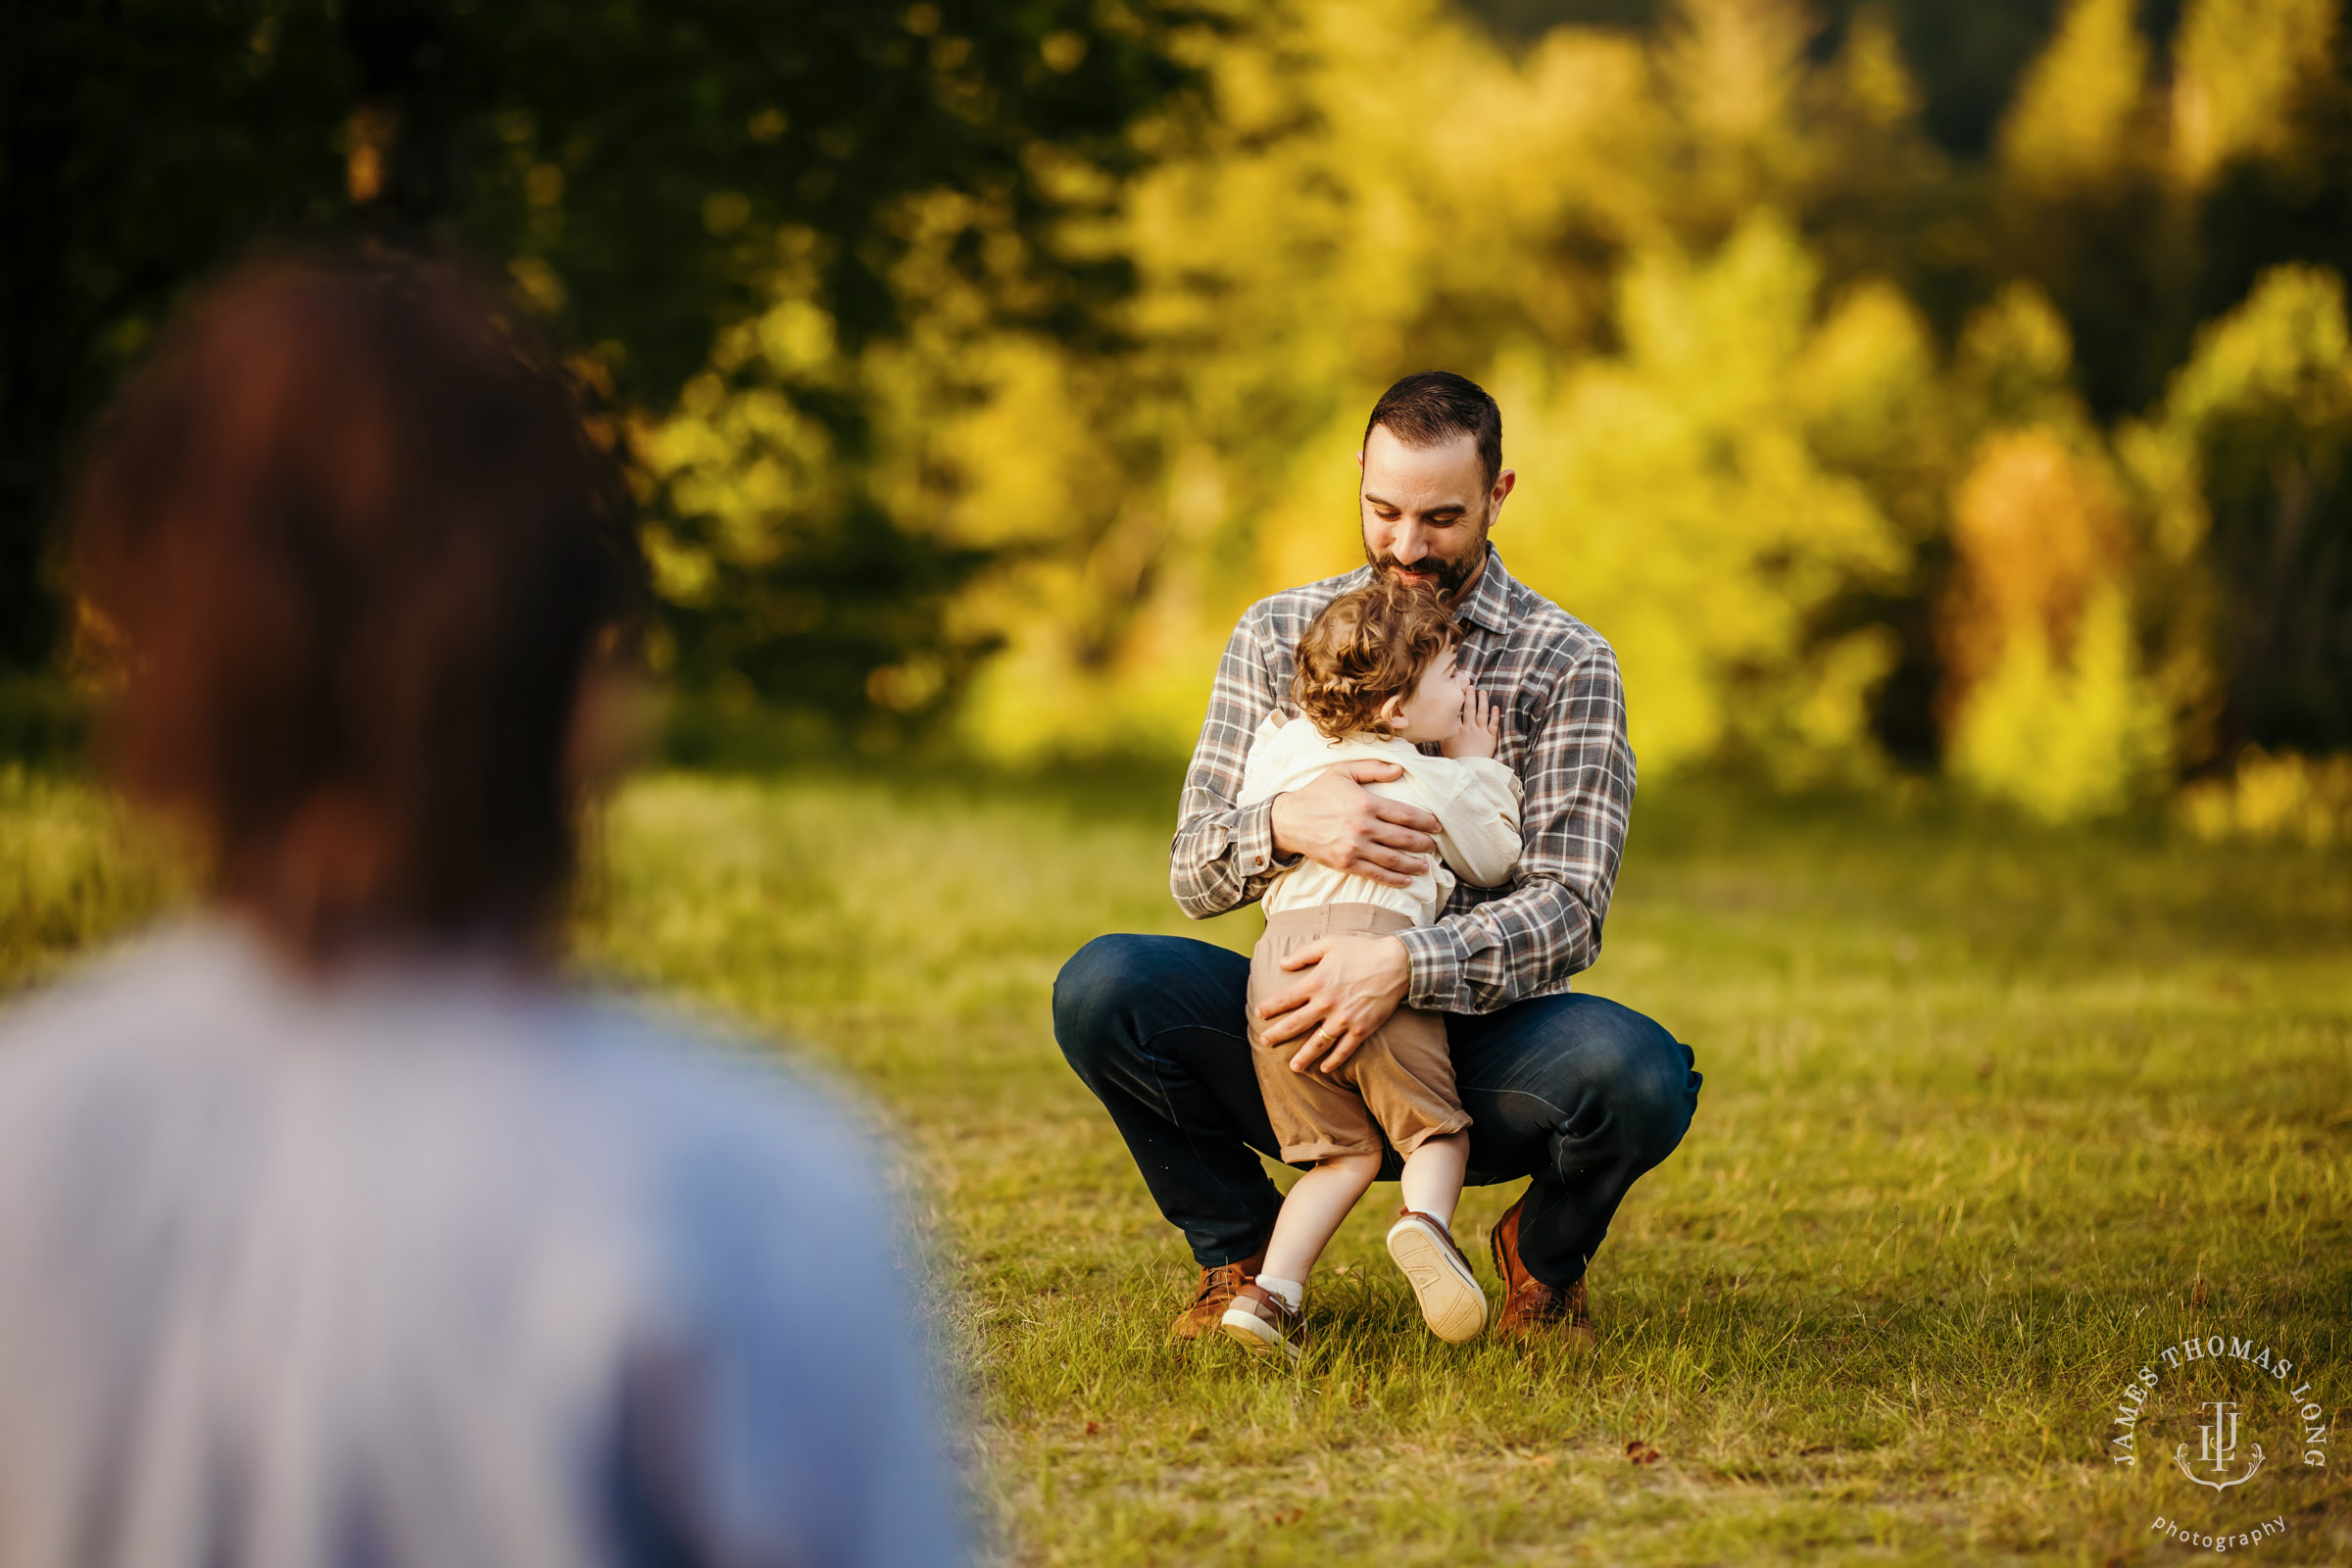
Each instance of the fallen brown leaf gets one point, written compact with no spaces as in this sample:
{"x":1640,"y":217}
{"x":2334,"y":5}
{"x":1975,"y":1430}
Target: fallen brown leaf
{"x":1641,"y":1452}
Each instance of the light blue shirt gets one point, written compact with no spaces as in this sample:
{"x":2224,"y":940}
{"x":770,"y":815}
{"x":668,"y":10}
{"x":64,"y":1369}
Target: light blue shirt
{"x":437,"y":1267}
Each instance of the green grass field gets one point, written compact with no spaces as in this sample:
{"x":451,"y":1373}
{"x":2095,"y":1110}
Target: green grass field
{"x":1991,"y":1115}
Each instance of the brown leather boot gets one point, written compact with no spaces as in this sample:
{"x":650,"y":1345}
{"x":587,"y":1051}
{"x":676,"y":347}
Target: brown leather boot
{"x":1528,"y":1306}
{"x":1218,"y":1287}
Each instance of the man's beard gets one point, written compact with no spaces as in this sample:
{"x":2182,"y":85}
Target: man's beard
{"x":1450,"y":574}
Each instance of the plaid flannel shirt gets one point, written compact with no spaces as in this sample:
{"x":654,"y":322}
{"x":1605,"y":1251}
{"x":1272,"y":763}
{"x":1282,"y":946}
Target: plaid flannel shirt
{"x":1555,"y":686}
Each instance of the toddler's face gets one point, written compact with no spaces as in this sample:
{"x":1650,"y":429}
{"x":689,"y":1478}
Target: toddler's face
{"x":1433,"y":711}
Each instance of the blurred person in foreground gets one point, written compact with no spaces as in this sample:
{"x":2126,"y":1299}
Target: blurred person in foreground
{"x":1581,"y":1093}
{"x":333,"y":1226}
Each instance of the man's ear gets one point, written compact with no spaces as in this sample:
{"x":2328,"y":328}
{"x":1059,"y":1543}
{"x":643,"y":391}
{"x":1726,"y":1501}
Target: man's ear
{"x":1504,"y":484}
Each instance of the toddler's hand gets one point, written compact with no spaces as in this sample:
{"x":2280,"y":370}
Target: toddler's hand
{"x":1478,"y":735}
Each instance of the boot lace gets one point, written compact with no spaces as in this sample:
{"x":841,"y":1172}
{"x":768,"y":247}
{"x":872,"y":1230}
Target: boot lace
{"x":1218,"y":1284}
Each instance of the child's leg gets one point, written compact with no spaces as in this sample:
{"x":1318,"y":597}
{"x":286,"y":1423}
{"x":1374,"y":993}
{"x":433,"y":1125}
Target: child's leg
{"x":1265,"y":1314}
{"x":1433,"y":1176}
{"x":1311,"y":1214}
{"x":1422,"y":1240}
{"x":1410,"y":1088}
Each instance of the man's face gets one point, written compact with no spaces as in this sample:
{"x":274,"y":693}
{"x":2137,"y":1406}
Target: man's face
{"x":1427,"y":510}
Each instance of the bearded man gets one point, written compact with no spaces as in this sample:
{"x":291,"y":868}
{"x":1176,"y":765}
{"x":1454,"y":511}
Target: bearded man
{"x":1579,"y":1094}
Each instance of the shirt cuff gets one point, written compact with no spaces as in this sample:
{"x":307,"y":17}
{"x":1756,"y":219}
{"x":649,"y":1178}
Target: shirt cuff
{"x":1254,"y":841}
{"x":1435,"y":958}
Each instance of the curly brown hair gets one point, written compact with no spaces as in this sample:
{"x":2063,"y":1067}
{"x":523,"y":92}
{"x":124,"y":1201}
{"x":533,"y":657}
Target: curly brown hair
{"x":1367,"y":646}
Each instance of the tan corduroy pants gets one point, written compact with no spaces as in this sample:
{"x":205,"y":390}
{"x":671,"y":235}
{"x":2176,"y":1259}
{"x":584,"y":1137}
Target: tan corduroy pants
{"x":1400,"y":1082}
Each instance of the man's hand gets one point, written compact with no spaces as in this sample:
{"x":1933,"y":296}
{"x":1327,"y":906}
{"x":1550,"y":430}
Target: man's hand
{"x":1478,"y":736}
{"x":1336,"y":821}
{"x":1350,"y":987}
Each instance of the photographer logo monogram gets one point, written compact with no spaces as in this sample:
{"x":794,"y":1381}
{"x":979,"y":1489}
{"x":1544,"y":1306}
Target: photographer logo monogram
{"x":2218,"y":1448}
{"x":2221,"y":1412}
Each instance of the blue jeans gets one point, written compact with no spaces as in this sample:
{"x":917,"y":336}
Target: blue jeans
{"x":1575,"y":1091}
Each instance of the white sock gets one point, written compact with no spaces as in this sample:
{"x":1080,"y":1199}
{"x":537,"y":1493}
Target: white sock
{"x":1292,"y":1294}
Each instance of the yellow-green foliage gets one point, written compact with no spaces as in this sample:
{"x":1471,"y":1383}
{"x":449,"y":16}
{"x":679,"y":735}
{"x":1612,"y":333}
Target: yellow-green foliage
{"x":2265,"y":398}
{"x":2297,"y":798}
{"x":746,"y":465}
{"x":2244,"y":68}
{"x":1323,"y":242}
{"x":2074,"y":119}
{"x":2049,"y":706}
{"x":1672,"y":498}
{"x":2063,"y":738}
{"x":74,"y":868}
{"x":2285,"y":352}
{"x":1719,"y":456}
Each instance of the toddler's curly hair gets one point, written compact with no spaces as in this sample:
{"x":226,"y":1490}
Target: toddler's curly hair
{"x":1367,"y":646}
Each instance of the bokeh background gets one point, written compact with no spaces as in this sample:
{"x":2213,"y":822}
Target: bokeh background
{"x":1910,"y":391}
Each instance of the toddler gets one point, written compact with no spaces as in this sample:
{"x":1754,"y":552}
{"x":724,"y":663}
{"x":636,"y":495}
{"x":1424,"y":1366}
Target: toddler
{"x":1376,"y":678}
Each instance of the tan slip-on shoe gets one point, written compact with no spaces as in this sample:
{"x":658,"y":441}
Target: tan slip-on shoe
{"x":1451,"y":1304}
{"x":1218,"y":1286}
{"x":1528,"y":1306}
{"x":1266,"y":1323}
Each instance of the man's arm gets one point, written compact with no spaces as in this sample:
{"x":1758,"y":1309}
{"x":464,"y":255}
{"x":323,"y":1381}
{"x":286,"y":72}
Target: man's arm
{"x":1579,"y":794}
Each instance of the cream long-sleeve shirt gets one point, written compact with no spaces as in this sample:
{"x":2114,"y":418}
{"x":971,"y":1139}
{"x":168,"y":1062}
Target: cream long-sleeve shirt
{"x":1475,"y":799}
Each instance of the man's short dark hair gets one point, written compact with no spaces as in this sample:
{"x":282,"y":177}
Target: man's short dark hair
{"x":1430,"y":408}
